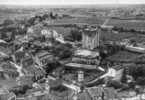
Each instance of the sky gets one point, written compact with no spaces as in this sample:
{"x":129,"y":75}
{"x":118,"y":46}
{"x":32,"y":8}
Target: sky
{"x":69,"y":2}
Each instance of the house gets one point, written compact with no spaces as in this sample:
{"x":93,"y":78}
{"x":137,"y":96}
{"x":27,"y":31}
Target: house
{"x":83,"y":57}
{"x":18,"y":56}
{"x":3,"y":43}
{"x":47,"y":33}
{"x":27,"y":61}
{"x":43,"y":57}
{"x":86,"y":53}
{"x":84,"y":60}
{"x":81,"y":66}
{"x":8,"y":71}
{"x":101,"y":93}
{"x":4,"y":52}
{"x":6,"y":95}
{"x":35,"y":30}
{"x":52,"y":34}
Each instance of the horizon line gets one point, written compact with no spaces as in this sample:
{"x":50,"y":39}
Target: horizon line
{"x":72,"y":4}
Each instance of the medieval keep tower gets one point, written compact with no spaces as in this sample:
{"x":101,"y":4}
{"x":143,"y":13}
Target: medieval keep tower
{"x":90,"y":38}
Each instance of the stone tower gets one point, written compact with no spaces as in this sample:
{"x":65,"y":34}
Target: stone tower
{"x":90,"y":38}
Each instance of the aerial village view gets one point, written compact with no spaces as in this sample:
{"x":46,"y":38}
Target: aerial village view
{"x":90,"y":52}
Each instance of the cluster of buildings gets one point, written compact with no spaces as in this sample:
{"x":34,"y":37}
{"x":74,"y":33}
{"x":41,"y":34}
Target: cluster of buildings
{"x":26,"y":57}
{"x":87,"y":57}
{"x":130,"y":13}
{"x":134,"y":46}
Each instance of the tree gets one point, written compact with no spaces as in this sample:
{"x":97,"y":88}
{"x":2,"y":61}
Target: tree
{"x":62,"y":51}
{"x":31,"y":21}
{"x":137,"y":71}
{"x":132,"y":30}
{"x":51,"y":66}
{"x":115,"y":28}
{"x":8,"y":22}
{"x":52,"y":15}
{"x":57,"y":86}
{"x":45,"y":16}
{"x":20,"y":89}
{"x":140,"y":81}
{"x":75,"y":35}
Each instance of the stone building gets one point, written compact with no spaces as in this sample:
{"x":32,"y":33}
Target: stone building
{"x":43,"y":57}
{"x":90,"y":38}
{"x":87,"y":58}
{"x":6,"y":95}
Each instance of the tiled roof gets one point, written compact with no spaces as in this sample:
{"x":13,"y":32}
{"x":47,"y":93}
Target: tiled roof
{"x":5,"y":95}
{"x":100,"y":91}
{"x":43,"y":54}
{"x":83,"y":66}
{"x":84,"y":96}
{"x":86,"y":53}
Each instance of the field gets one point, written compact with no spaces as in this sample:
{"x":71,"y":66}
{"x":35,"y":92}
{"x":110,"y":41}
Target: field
{"x":110,"y":36}
{"x":80,"y":20}
{"x":123,"y":56}
{"x":128,"y":24}
{"x":15,"y":13}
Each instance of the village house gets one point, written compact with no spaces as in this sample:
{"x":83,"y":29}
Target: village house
{"x":43,"y":57}
{"x":6,"y":95}
{"x":35,"y":30}
{"x":8,"y":71}
{"x":52,"y":34}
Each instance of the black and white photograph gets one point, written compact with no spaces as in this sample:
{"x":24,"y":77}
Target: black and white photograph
{"x":72,"y":49}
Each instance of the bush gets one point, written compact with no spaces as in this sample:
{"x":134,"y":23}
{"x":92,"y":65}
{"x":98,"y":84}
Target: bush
{"x":51,"y":66}
{"x":20,"y":89}
{"x":8,"y":22}
{"x":140,"y":81}
{"x":57,"y":86}
{"x":137,"y":71}
{"x":75,"y":35}
{"x":62,"y":51}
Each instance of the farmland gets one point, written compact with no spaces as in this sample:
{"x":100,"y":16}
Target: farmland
{"x":105,"y":36}
{"x":81,"y":20}
{"x":128,"y":24}
{"x":123,"y":56}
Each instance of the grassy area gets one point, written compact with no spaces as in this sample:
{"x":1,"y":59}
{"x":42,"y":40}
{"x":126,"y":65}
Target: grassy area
{"x":128,"y":24}
{"x":81,"y":20}
{"x":105,"y":35}
{"x":123,"y":56}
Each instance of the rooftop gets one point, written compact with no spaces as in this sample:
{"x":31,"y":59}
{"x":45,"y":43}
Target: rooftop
{"x":82,"y":66}
{"x":86,"y":53}
{"x":42,"y":54}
